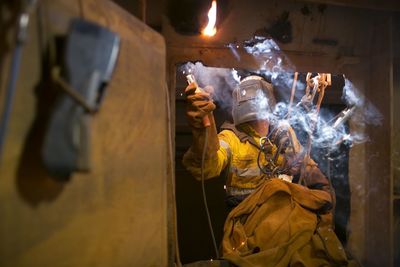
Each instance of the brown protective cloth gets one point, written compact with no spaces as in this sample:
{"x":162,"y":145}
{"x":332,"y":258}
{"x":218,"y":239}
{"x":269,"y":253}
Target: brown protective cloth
{"x":283,"y":224}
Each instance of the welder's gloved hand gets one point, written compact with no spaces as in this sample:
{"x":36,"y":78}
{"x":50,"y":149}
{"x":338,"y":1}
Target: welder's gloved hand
{"x":281,"y":138}
{"x":313,"y":178}
{"x":199,"y":104}
{"x":294,"y":162}
{"x":284,"y":137}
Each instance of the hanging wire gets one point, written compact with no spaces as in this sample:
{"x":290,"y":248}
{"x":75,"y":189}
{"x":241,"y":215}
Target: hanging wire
{"x":173,"y":190}
{"x":319,"y":83}
{"x":203,"y":156}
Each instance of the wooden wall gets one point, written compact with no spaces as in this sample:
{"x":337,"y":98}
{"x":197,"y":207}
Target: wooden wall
{"x":378,"y":230}
{"x":115,"y":215}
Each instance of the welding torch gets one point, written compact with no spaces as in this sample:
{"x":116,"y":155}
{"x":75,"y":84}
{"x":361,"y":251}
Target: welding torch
{"x":344,"y":115}
{"x":191,"y":80}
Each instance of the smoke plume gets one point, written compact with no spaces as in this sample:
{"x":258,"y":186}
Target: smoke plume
{"x":326,"y":130}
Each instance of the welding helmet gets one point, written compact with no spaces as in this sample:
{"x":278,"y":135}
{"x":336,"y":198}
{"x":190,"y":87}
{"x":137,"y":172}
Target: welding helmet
{"x":253,"y":99}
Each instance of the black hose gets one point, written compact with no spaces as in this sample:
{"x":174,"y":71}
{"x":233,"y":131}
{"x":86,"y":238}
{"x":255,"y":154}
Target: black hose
{"x":204,"y":192}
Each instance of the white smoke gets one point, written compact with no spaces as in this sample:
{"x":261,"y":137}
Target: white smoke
{"x":233,"y":48}
{"x":367,"y":113}
{"x":351,"y":95}
{"x":321,"y":128}
{"x":235,"y":76}
{"x":272,"y":61}
{"x":325,"y":129}
{"x":263,"y":105}
{"x":261,"y":46}
{"x":223,"y":81}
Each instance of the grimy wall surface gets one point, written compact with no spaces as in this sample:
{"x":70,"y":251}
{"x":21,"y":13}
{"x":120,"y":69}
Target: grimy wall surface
{"x":116,"y":214}
{"x":362,"y":53}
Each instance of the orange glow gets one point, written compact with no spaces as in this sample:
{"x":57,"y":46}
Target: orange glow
{"x":210,"y":29}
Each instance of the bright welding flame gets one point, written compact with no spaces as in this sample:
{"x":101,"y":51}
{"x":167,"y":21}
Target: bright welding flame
{"x":210,"y":29}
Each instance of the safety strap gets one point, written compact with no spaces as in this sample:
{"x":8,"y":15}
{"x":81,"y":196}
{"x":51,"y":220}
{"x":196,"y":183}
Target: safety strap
{"x":243,"y":137}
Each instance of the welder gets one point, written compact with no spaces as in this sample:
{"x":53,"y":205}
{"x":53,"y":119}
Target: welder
{"x":273,"y":221}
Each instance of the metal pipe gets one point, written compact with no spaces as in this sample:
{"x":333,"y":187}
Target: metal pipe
{"x":143,"y":7}
{"x":22,"y":32}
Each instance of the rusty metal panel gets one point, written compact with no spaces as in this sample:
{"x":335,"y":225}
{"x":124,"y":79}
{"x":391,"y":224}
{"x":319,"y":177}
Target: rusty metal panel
{"x":115,"y":215}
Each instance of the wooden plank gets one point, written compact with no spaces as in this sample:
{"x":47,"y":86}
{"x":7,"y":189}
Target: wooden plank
{"x":115,"y":215}
{"x":379,"y":206}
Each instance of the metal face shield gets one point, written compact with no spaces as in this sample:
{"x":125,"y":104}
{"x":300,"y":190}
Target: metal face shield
{"x":252,"y":100}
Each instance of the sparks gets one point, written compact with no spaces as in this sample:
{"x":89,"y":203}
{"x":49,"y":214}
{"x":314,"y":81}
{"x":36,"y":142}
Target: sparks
{"x":210,"y":29}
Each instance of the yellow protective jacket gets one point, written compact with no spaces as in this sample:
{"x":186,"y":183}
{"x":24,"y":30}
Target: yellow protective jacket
{"x":236,"y":151}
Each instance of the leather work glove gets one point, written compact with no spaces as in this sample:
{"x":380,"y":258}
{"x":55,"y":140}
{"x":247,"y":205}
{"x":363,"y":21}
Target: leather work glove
{"x":199,"y":104}
{"x":284,"y":137}
{"x":297,"y":162}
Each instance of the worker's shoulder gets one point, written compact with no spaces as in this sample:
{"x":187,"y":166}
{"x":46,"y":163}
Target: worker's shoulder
{"x":226,"y":132}
{"x":228,"y":135}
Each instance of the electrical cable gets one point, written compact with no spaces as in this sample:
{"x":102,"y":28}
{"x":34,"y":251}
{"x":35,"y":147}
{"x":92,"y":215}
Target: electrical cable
{"x":204,"y":191}
{"x":331,"y":189}
{"x":174,"y":211}
{"x":264,"y":141}
{"x":10,"y":92}
{"x":313,"y":124}
{"x":258,"y":162}
{"x":206,"y":123}
{"x":21,"y":36}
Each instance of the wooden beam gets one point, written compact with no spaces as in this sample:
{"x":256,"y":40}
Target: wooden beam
{"x":387,"y":5}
